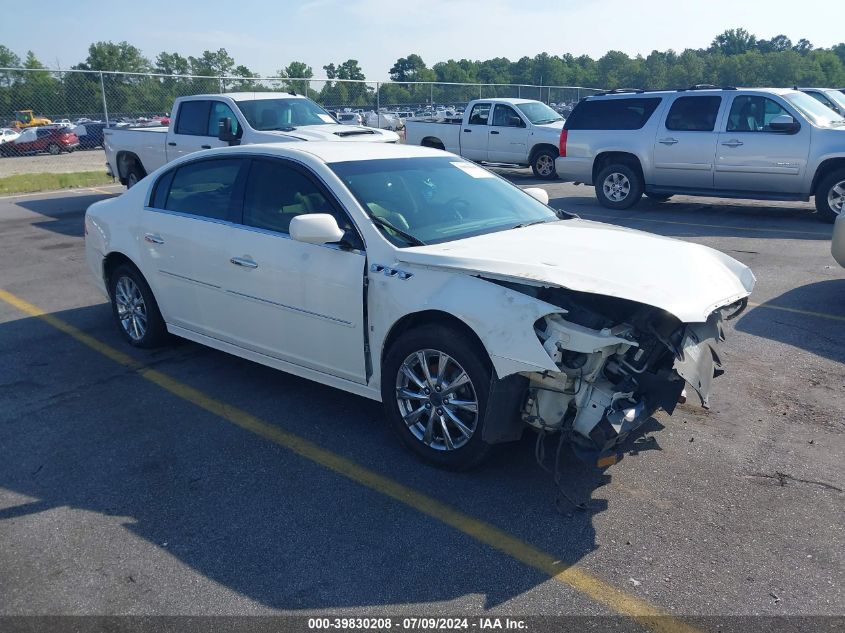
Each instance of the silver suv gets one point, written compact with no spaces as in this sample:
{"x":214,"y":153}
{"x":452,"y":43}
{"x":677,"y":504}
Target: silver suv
{"x":762,"y":143}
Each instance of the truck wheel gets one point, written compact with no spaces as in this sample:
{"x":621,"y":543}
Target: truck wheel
{"x":830,"y":196}
{"x":543,"y":164}
{"x":134,"y":175}
{"x":435,"y":386}
{"x":618,"y":186}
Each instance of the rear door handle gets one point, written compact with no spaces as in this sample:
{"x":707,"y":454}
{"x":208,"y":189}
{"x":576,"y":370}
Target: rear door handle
{"x":493,"y":132}
{"x":241,"y":261}
{"x":205,"y":146}
{"x":668,"y":141}
{"x":153,"y":239}
{"x":466,"y":130}
{"x":172,"y":144}
{"x":733,"y":143}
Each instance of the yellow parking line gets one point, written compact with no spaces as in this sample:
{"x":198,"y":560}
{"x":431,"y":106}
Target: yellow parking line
{"x":101,"y":190}
{"x":584,"y":582}
{"x":637,"y":218}
{"x":821,"y":315}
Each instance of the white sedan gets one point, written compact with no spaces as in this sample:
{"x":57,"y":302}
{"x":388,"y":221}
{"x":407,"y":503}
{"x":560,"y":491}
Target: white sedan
{"x":408,"y":275}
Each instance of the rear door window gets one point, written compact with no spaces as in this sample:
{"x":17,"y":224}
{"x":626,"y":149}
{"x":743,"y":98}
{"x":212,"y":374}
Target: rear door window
{"x":480,"y":114}
{"x":193,"y":118}
{"x":612,"y":114}
{"x":204,"y":188}
{"x":693,"y":114}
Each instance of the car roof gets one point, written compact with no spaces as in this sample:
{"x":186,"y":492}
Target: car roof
{"x":249,"y":96}
{"x":336,"y":151}
{"x":658,"y":93}
{"x":511,"y":100}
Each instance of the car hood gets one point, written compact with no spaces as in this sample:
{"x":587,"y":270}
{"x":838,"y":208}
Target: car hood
{"x":687,"y":280}
{"x":335,"y":132}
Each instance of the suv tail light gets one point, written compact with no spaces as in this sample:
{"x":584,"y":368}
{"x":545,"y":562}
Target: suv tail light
{"x":563,"y":136}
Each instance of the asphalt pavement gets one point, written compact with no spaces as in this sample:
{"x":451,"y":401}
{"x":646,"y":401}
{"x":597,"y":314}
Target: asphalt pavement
{"x":186,"y":481}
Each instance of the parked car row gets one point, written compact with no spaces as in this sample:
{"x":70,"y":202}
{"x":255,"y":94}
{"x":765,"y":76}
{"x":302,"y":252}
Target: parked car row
{"x":52,"y":139}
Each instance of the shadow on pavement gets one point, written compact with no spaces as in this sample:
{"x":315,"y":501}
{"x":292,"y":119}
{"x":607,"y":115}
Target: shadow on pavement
{"x":814,"y":334}
{"x":65,"y":212}
{"x":78,"y":431}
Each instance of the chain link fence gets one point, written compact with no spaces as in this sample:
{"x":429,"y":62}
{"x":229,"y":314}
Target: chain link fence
{"x":53,"y":120}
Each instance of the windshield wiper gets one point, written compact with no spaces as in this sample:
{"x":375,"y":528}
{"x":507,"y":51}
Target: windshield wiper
{"x":524,"y":224}
{"x":388,"y":225}
{"x":544,"y":121}
{"x":287,"y":128}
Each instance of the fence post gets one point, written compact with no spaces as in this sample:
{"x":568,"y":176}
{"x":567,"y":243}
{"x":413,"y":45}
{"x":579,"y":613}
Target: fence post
{"x":378,"y":99}
{"x":103,"y":92}
{"x":431,"y":93}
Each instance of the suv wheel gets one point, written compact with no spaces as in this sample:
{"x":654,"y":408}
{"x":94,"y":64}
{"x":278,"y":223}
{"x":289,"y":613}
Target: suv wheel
{"x":830,"y":196}
{"x":435,"y":386}
{"x":543,"y":164}
{"x":618,"y":186}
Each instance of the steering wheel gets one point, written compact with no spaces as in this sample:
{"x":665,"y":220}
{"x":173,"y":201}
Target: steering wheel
{"x":458,"y":206}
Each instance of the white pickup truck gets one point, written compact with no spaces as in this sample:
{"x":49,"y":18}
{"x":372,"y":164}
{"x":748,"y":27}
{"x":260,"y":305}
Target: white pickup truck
{"x":217,"y":120}
{"x":506,"y":131}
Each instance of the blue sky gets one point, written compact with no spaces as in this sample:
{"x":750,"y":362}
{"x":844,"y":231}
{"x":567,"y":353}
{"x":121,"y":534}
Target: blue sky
{"x":266,"y":35}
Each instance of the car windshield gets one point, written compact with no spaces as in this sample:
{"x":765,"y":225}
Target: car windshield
{"x":438,"y":199}
{"x":280,"y":114}
{"x":837,"y":97}
{"x":818,"y":113}
{"x":539,"y":113}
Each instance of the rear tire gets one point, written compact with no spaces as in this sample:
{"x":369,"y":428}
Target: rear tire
{"x":543,"y":164}
{"x":134,"y":175}
{"x":619,"y":186}
{"x":134,"y":308}
{"x":444,"y":425}
{"x":830,"y":196}
{"x":54,"y":149}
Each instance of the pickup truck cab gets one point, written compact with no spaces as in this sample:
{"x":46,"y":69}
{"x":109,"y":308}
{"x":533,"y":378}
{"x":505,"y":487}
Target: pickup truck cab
{"x":507,"y":131}
{"x":217,"y":120}
{"x":760,"y":143}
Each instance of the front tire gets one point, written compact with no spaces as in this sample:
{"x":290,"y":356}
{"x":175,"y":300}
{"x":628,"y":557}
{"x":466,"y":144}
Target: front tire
{"x":54,"y":149}
{"x":618,"y":186}
{"x":830,"y":196}
{"x":134,"y":308}
{"x":543,"y":164}
{"x":435,"y":387}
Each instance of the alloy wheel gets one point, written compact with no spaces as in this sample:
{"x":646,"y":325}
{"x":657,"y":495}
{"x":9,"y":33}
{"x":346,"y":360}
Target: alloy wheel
{"x":616,"y":187}
{"x":545,"y":165}
{"x":131,"y":309}
{"x":836,"y":197}
{"x":437,"y":400}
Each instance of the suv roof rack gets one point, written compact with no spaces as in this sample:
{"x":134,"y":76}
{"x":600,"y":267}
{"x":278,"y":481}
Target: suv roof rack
{"x":618,"y":91}
{"x":707,"y":87}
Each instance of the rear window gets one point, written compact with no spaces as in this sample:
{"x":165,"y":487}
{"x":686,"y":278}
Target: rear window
{"x":612,"y":114}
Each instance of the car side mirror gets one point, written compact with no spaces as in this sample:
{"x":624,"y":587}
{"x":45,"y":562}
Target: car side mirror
{"x":540,"y":195}
{"x":315,"y":228}
{"x":225,"y":133}
{"x":784,"y":123}
{"x":515,"y":121}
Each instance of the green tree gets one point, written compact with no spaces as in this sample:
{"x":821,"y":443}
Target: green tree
{"x":734,"y":42}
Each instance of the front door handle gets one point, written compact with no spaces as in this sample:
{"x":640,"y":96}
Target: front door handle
{"x":205,"y":146}
{"x":493,"y":132}
{"x":153,"y":239}
{"x":668,"y":141}
{"x":466,"y":130}
{"x":732,"y":143}
{"x":241,"y":261}
{"x":172,"y":144}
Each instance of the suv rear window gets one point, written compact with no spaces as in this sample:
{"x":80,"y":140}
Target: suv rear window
{"x":612,"y":114}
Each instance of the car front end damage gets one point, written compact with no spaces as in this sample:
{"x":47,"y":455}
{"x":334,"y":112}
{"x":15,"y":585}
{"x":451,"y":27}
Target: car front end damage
{"x":619,"y":361}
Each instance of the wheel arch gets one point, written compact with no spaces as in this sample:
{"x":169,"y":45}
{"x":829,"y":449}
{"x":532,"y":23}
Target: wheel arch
{"x":433,"y":142}
{"x":541,"y":146}
{"x":824,"y":169}
{"x":111,"y":263}
{"x":125,"y":159}
{"x":414,"y":320}
{"x":604,"y":159}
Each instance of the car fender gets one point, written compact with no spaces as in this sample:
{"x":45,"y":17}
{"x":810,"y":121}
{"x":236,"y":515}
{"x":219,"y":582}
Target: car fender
{"x":501,"y":318}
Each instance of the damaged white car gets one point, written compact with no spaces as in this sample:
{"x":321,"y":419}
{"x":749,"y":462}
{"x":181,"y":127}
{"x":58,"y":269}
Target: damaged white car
{"x":469,"y":307}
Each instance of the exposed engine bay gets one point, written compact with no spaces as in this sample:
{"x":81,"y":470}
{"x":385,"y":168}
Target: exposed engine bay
{"x":620,"y":361}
